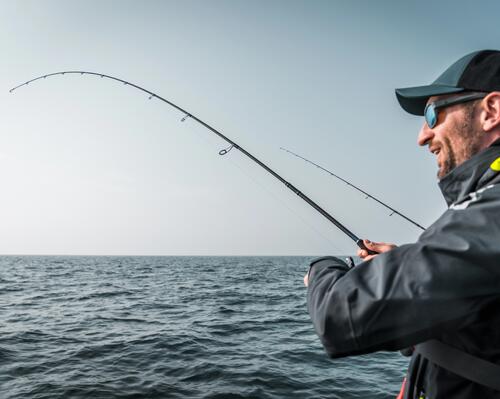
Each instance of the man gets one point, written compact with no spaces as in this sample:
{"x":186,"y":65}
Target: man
{"x":439,"y":297}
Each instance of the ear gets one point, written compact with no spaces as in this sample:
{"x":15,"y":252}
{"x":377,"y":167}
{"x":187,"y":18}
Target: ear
{"x":490,"y":117}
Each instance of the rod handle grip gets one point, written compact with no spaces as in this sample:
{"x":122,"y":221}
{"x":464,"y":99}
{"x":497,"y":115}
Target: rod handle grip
{"x":361,"y":245}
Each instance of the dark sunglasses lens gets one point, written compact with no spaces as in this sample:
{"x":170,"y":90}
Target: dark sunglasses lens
{"x":430,"y":116}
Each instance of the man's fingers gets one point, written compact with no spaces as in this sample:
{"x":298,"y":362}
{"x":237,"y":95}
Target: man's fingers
{"x":379,"y":247}
{"x":371,"y":245}
{"x":362,"y":253}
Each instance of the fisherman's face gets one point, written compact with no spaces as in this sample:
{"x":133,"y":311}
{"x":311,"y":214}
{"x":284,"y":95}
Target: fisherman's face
{"x":455,"y":138}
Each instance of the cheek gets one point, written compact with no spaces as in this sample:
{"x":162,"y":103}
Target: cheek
{"x":445,"y":146}
{"x":459,"y":139}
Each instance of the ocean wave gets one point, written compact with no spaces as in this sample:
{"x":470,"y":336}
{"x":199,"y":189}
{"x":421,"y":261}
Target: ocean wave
{"x":173,"y":327}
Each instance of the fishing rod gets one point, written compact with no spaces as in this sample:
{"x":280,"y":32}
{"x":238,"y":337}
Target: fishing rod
{"x":188,"y":115}
{"x":394,"y":211}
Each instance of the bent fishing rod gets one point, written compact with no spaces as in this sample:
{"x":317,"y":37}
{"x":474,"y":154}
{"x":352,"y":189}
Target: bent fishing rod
{"x":232,"y":144}
{"x":394,"y":211}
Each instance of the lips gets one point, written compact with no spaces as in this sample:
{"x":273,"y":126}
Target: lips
{"x":435,"y":150}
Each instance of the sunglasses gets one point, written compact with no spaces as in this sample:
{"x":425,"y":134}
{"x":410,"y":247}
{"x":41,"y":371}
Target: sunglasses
{"x":431,"y":110}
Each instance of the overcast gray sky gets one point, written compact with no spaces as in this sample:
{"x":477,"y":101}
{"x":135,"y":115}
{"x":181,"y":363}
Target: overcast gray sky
{"x":89,"y":166}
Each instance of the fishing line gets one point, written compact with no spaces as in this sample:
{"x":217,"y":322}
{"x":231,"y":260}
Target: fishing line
{"x":393,"y":211}
{"x":290,"y":209}
{"x":269,"y":192}
{"x":345,"y":230}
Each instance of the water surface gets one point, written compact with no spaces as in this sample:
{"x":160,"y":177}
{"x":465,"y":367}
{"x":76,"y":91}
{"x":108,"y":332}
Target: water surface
{"x":171,"y":327}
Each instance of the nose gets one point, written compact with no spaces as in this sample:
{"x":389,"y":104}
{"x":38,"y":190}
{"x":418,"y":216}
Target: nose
{"x":425,"y":135}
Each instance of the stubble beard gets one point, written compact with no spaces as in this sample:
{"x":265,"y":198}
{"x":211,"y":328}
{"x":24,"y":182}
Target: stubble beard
{"x":463,"y":144}
{"x":449,"y":163}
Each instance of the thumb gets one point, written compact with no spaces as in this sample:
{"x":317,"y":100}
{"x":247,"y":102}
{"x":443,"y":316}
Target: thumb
{"x":370,"y":244}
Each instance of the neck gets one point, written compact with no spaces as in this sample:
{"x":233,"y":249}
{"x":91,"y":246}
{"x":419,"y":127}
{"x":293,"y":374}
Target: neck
{"x":489,"y":138}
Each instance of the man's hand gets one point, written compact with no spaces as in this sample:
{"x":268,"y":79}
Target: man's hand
{"x":379,"y":247}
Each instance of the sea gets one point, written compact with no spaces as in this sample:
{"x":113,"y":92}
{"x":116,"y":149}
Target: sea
{"x":171,"y":327}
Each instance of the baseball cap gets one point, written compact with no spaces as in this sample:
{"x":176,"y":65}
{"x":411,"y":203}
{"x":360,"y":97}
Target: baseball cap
{"x":477,"y":71}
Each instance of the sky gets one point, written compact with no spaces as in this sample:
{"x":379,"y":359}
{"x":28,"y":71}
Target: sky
{"x":89,"y":166}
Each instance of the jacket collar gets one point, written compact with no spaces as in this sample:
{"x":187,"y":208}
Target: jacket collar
{"x":470,"y":175}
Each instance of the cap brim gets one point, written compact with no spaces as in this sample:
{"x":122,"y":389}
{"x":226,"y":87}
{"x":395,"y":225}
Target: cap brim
{"x":414,"y":99}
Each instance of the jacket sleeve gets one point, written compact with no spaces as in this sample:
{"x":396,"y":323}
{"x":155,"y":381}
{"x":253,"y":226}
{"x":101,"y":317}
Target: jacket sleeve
{"x":415,"y":292}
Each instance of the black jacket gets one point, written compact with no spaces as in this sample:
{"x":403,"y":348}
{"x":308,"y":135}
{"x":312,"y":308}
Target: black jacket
{"x":446,"y":286}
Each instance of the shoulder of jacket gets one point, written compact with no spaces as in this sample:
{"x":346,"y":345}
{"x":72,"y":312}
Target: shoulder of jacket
{"x":473,"y":197}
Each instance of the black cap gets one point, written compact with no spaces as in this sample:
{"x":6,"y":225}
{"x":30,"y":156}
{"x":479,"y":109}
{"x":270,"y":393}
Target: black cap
{"x":478,"y":71}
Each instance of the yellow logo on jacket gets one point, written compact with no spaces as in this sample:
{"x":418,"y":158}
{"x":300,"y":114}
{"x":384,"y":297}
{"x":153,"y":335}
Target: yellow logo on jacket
{"x":495,"y":165}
